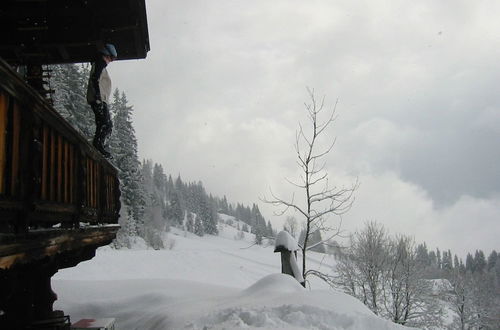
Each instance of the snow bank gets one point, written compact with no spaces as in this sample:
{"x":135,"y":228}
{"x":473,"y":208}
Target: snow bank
{"x":275,"y":302}
{"x":204,"y":283}
{"x":274,"y":283}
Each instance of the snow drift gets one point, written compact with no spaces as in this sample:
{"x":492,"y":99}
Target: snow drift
{"x":203,"y":283}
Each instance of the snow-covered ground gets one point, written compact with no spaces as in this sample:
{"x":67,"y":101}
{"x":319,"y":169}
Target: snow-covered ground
{"x":211,"y":282}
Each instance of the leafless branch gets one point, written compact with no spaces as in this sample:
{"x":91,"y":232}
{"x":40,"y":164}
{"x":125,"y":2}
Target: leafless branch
{"x":320,"y":200}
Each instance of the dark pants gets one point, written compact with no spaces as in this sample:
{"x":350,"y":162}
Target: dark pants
{"x":103,"y":124}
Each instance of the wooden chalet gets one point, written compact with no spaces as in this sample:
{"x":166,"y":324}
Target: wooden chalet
{"x":59,"y":198}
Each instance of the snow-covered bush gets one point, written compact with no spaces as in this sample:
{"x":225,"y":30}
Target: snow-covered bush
{"x":153,"y":238}
{"x":169,"y":243}
{"x":239,"y":236}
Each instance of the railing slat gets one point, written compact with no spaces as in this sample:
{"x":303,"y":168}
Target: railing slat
{"x":4,"y":99}
{"x":96,"y":185}
{"x":45,"y":155}
{"x":66,"y":173}
{"x":92,"y":184}
{"x":52,"y":179}
{"x":16,"y":134}
{"x":59,"y":168}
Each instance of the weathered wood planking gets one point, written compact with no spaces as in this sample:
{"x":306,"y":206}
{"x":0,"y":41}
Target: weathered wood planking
{"x":48,"y":172}
{"x":16,"y":250}
{"x":16,"y":136}
{"x":3,"y":139}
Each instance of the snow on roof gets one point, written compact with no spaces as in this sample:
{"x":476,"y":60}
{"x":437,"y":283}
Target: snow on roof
{"x":285,"y":241}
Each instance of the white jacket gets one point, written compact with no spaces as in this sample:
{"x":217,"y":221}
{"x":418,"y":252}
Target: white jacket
{"x":99,"y":86}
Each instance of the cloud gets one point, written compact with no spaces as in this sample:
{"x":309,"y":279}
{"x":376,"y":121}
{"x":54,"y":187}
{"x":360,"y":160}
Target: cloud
{"x":221,"y":93}
{"x":405,"y":208}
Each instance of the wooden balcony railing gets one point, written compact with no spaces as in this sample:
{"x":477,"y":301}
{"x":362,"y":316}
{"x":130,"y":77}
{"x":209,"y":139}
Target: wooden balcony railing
{"x":49,"y":173}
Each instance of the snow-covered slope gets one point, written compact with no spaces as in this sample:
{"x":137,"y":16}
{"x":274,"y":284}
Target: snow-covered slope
{"x":205,"y":283}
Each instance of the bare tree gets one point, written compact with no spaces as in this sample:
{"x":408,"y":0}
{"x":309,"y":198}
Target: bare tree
{"x":384,"y":274}
{"x":407,"y":297}
{"x":474,"y":299}
{"x":320,"y":199}
{"x":347,"y":276}
{"x":369,"y":249}
{"x":291,"y":226}
{"x":485,"y":312}
{"x":461,"y":298}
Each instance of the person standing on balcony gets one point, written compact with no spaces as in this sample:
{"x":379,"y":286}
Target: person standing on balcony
{"x":98,"y":93}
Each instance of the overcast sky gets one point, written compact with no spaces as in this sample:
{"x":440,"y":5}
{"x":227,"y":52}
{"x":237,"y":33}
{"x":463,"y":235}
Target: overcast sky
{"x":222,"y":91}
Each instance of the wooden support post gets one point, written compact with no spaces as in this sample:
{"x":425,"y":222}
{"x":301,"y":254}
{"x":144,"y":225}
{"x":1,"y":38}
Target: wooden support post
{"x":287,"y":246}
{"x":286,"y":267}
{"x":43,"y":296}
{"x":26,"y":295}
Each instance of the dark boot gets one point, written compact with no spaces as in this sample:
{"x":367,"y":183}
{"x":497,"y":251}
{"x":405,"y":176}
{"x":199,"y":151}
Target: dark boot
{"x":103,"y":128}
{"x":98,"y":145}
{"x":106,"y":153}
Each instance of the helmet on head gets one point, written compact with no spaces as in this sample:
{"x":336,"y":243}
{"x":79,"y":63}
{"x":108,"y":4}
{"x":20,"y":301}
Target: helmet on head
{"x":109,"y":50}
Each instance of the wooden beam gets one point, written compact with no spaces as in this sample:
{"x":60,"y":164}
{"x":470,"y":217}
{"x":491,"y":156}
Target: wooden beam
{"x":55,"y":207}
{"x":63,"y":52}
{"x":16,"y":250}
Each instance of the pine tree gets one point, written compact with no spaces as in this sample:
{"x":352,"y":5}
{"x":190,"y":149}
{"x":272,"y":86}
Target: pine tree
{"x":208,"y":215}
{"x":269,"y":231}
{"x":423,"y":255}
{"x":469,"y":263}
{"x":128,"y":229}
{"x":258,"y":223}
{"x":456,"y":262}
{"x":432,"y":259}
{"x":175,"y":212}
{"x":70,"y":84}
{"x":159,"y":181}
{"x":447,"y":260}
{"x":224,"y":207}
{"x":479,"y":261}
{"x":198,"y":226}
{"x":154,"y":222}
{"x":439,"y":260}
{"x":123,"y":146}
{"x":492,"y":260}
{"x":190,"y":222}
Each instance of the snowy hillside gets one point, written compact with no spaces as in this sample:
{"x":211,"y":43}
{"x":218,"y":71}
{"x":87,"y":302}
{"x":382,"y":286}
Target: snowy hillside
{"x":210,"y":282}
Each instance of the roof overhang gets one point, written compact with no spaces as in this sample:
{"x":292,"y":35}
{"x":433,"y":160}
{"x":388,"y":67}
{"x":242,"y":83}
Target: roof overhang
{"x":71,"y":31}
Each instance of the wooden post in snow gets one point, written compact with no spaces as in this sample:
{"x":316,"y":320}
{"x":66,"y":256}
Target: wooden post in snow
{"x":287,"y":246}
